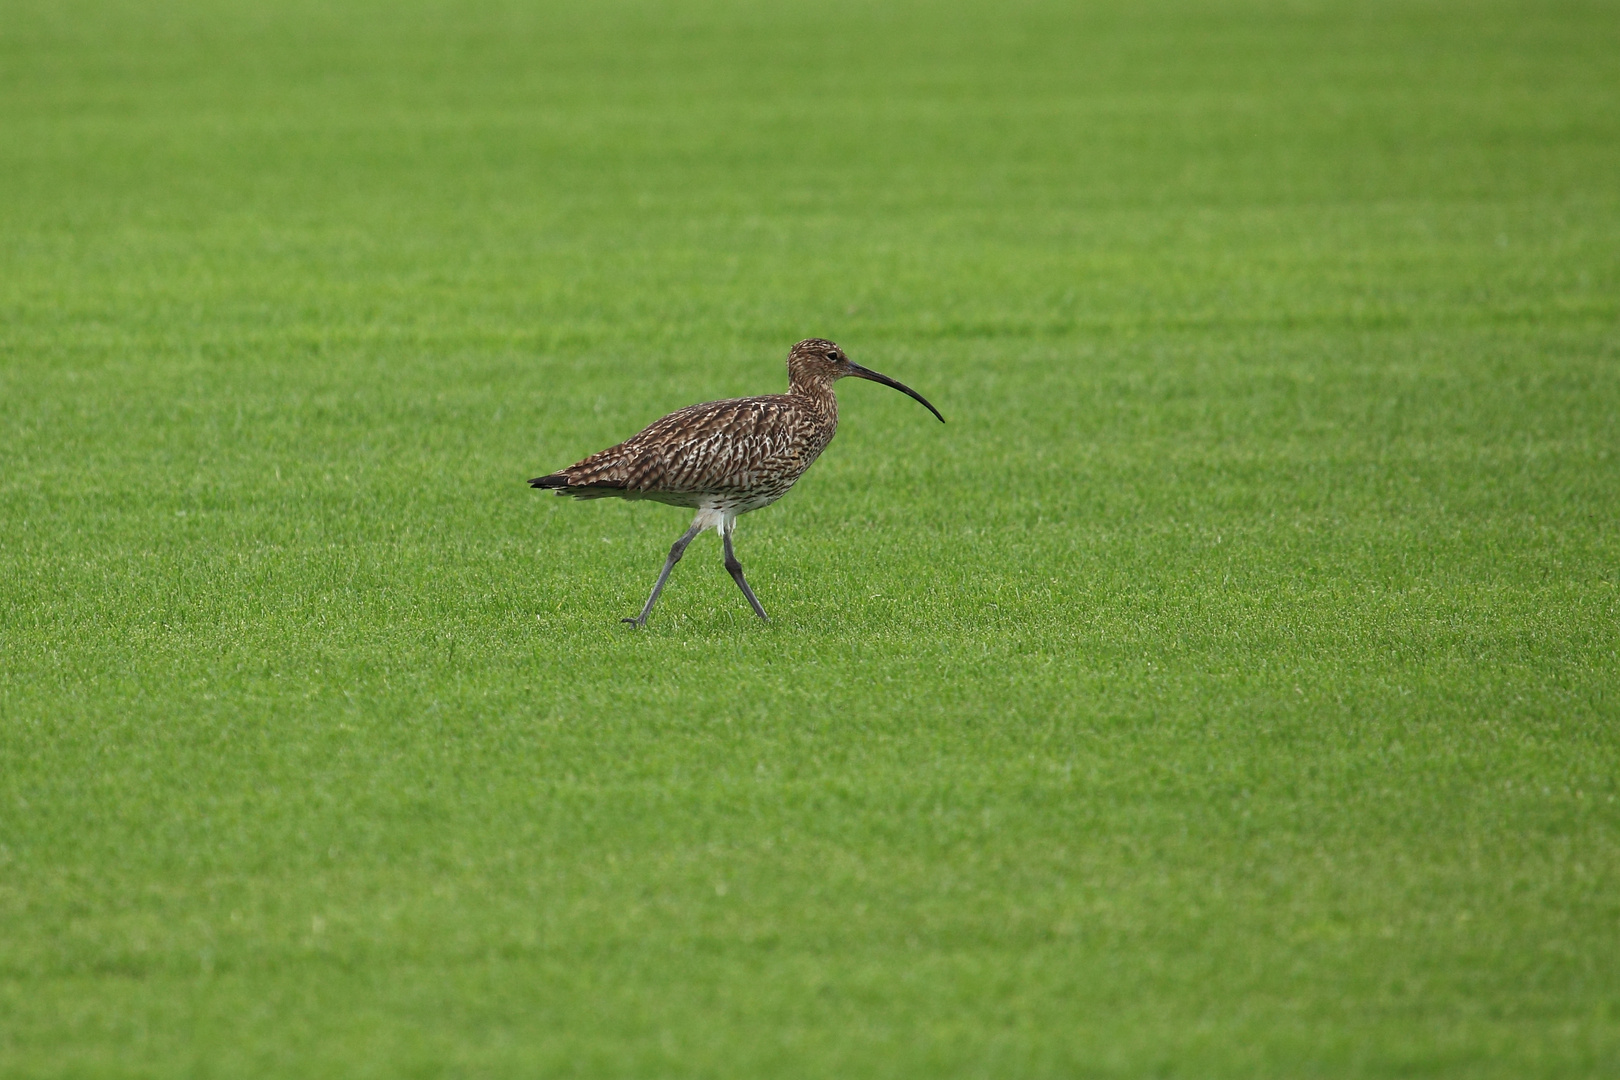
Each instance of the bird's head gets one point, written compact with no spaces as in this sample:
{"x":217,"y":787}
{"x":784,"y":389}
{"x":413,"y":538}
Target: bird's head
{"x":819,"y":362}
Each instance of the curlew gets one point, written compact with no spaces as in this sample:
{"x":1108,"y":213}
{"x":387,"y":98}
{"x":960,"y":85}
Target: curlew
{"x":725,"y":458}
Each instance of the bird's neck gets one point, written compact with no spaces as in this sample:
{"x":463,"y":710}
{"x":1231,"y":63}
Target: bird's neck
{"x":819,"y":393}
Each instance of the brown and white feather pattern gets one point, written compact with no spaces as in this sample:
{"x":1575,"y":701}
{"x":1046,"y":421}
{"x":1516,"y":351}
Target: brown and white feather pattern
{"x":734,"y":455}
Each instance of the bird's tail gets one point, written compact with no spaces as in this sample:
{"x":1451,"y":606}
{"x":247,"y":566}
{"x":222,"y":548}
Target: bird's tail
{"x":558,"y":483}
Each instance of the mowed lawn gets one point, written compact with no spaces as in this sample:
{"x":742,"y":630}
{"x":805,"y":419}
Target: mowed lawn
{"x":1229,"y":689}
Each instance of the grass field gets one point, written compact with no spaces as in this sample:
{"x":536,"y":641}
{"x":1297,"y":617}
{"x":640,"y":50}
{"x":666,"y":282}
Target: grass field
{"x":1229,"y":689}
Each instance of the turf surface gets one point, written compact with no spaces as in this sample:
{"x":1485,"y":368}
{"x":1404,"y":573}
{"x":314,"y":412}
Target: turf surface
{"x":1228,"y":689}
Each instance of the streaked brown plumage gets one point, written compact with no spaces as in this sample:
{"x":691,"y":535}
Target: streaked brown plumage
{"x":725,"y":458}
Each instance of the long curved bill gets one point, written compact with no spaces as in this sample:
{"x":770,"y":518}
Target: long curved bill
{"x":867,"y":373}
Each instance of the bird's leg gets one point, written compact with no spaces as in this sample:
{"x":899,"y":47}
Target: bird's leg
{"x":675,"y":554}
{"x":735,"y":569}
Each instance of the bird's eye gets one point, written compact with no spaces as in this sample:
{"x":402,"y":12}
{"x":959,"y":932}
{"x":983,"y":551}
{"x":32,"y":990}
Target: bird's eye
{"x":834,"y":357}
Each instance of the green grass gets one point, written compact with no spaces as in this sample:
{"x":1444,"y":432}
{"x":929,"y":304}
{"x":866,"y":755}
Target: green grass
{"x":1229,"y":689}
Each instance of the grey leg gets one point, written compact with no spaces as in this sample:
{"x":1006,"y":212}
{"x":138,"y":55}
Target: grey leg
{"x":735,"y":569}
{"x":675,"y":554}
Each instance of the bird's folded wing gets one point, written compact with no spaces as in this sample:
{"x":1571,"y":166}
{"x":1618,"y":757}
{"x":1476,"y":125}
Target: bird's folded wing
{"x":718,"y":446}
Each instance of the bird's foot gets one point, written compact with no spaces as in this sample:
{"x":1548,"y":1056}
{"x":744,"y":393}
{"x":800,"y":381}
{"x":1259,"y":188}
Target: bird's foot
{"x":639,"y":622}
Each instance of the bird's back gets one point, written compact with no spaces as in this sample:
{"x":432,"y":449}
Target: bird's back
{"x":742,"y":452}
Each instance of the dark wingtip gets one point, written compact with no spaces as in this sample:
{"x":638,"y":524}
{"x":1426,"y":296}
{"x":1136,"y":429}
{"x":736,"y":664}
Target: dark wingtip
{"x":555,"y":480}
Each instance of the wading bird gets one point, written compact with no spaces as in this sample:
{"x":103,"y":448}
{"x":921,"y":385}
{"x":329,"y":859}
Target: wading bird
{"x":725,"y":458}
